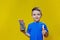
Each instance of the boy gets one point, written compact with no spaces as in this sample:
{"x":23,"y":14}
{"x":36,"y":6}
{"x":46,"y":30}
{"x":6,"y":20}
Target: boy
{"x":36,"y":30}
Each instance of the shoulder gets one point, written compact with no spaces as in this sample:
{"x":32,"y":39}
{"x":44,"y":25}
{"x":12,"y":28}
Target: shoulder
{"x":30,"y":23}
{"x":43,"y":23}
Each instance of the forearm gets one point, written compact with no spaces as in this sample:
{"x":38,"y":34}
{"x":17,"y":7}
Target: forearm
{"x":25,"y":33}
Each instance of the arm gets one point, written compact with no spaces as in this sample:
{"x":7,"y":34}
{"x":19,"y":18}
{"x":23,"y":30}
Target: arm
{"x":22,"y":27}
{"x":24,"y":32}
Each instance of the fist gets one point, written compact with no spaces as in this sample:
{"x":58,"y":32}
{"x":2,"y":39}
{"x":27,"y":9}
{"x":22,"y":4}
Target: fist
{"x":44,"y":32}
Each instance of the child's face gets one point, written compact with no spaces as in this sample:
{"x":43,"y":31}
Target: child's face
{"x":36,"y":15}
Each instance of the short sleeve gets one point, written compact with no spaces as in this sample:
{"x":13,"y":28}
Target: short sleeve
{"x":28,"y":30}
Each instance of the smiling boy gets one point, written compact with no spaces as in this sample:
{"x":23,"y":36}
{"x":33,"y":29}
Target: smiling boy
{"x":36,"y":30}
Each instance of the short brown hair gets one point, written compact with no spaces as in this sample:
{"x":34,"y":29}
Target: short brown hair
{"x":36,"y":8}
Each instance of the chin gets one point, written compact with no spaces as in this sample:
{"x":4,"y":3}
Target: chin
{"x":37,"y":20}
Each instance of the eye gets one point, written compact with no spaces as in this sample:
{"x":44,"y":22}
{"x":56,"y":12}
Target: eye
{"x":38,"y":14}
{"x":34,"y":14}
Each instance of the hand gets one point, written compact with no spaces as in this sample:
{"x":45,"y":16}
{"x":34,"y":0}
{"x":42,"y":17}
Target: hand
{"x":43,"y":30}
{"x":23,"y":31}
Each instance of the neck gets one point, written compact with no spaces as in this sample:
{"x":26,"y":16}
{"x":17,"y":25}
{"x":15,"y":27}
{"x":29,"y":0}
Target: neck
{"x":36,"y":21}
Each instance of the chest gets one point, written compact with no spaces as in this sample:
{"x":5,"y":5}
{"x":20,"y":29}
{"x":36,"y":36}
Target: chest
{"x":36,"y":27}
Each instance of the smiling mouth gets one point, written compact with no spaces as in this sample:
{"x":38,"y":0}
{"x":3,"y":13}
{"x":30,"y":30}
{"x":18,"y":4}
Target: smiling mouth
{"x":36,"y":17}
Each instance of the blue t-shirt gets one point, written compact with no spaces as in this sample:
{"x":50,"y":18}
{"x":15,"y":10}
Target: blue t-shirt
{"x":35,"y":30}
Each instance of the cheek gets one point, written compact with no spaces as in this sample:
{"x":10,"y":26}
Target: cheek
{"x":39,"y":16}
{"x":36,"y":16}
{"x":33,"y":16}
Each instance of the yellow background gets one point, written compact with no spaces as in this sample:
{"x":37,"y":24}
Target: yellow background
{"x":12,"y":10}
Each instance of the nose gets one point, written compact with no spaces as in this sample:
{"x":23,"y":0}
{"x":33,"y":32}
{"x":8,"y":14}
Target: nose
{"x":36,"y":15}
